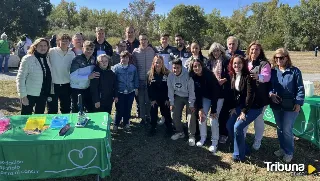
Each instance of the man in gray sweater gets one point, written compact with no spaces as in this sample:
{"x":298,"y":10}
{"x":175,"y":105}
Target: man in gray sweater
{"x":142,"y":59}
{"x":181,"y":93}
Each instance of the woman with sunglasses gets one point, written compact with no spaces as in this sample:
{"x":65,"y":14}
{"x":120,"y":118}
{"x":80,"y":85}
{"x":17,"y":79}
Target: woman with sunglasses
{"x":244,"y":91}
{"x":287,"y":95}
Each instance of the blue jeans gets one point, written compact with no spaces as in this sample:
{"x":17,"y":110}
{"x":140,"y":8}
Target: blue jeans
{"x":285,"y":121}
{"x":123,"y":108}
{"x":6,"y":57}
{"x":235,"y":128}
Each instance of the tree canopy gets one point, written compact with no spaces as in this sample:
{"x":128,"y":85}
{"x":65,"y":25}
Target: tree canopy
{"x":273,"y":23}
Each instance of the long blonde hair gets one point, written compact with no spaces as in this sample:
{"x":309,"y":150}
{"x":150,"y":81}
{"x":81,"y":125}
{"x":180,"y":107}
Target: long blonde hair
{"x":152,"y":70}
{"x":34,"y":45}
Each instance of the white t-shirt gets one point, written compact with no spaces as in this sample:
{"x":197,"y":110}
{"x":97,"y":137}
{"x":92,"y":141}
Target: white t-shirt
{"x":60,"y":65}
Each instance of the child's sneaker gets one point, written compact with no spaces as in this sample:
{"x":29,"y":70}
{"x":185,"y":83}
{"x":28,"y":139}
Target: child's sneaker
{"x":177,"y":136}
{"x":201,"y":142}
{"x":192,"y":141}
{"x":213,"y":149}
{"x":161,"y":121}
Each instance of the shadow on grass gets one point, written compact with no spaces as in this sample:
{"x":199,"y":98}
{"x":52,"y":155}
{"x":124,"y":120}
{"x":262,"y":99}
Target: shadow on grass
{"x":304,"y":153}
{"x":135,"y":155}
{"x":10,"y":104}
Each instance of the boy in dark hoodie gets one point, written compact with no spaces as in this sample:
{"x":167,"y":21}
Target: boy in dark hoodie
{"x":104,"y":89}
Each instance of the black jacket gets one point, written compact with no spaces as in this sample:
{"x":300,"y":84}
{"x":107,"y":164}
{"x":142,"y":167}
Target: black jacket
{"x":105,"y":46}
{"x":158,"y":88}
{"x":133,"y":45}
{"x":206,"y":86}
{"x":246,"y":95}
{"x":103,"y":88}
{"x":224,"y":89}
{"x":262,"y":88}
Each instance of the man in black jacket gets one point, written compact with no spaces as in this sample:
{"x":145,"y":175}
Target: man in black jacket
{"x":101,"y":44}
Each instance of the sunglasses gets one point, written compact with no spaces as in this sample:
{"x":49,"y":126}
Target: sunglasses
{"x":279,"y":58}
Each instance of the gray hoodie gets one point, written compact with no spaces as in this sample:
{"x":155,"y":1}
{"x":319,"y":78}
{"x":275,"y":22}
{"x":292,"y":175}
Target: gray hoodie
{"x":182,"y":86}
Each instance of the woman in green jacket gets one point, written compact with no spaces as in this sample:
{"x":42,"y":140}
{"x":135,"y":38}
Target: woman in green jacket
{"x":4,"y":52}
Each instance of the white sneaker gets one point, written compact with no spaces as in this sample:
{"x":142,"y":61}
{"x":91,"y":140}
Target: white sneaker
{"x":256,"y":145}
{"x":201,"y":142}
{"x":279,"y":153}
{"x":223,"y":139}
{"x":213,"y":149}
{"x":161,"y":121}
{"x":177,"y":136}
{"x":287,"y":158}
{"x":192,"y":141}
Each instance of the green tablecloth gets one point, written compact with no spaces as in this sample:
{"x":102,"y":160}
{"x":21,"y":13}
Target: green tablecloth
{"x":307,"y":124}
{"x":81,"y":151}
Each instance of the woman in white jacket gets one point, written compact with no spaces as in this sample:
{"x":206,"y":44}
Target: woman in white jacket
{"x":34,"y":81}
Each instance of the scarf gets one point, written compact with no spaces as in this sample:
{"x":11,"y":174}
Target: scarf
{"x":47,"y":79}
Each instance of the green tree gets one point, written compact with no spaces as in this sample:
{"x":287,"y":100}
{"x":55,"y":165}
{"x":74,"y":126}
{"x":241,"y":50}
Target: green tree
{"x":28,"y":16}
{"x":140,"y":14}
{"x":188,"y":20}
{"x":237,"y":25}
{"x":309,"y":22}
{"x":64,"y":15}
{"x":216,"y":30}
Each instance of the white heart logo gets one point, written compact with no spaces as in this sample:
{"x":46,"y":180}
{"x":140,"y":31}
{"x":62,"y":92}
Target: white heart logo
{"x":80,"y":154}
{"x":268,"y":114}
{"x":305,"y":128}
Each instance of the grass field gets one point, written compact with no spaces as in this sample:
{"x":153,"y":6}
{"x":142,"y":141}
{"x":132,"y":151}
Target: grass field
{"x":136,"y":156}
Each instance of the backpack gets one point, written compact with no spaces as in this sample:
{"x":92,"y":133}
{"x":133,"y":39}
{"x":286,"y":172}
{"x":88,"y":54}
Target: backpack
{"x":21,"y":51}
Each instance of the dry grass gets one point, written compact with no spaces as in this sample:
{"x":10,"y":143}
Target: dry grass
{"x":138,"y":157}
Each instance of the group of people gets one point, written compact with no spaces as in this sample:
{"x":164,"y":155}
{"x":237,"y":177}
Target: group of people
{"x":229,"y":89}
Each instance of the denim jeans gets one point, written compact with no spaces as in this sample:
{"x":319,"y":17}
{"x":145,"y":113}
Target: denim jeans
{"x":6,"y":57}
{"x":123,"y":108}
{"x":258,"y":126}
{"x":236,"y":133}
{"x":285,"y":121}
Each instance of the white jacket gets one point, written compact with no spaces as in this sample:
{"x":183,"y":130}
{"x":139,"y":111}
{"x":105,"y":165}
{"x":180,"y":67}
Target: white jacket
{"x":80,"y":70}
{"x":60,"y":64}
{"x":30,"y":77}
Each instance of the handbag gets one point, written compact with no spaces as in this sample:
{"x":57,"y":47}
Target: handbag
{"x":287,"y":103}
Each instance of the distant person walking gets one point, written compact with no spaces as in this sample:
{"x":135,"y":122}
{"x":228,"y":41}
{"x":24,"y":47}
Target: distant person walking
{"x":22,"y":47}
{"x":4,"y":52}
{"x":316,"y":51}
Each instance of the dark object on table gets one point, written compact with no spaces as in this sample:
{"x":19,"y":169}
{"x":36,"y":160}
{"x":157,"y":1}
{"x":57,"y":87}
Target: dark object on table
{"x":64,"y":130}
{"x":82,"y":117}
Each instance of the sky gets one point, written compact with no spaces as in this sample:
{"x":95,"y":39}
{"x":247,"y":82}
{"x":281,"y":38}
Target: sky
{"x":226,"y":7}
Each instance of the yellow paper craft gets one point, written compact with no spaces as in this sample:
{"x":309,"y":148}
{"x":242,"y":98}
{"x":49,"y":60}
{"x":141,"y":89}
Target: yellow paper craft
{"x":35,"y":123}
